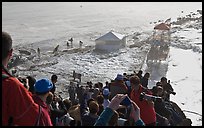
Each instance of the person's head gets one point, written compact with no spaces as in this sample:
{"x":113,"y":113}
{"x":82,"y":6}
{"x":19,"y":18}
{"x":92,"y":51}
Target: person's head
{"x":119,"y":77}
{"x":67,"y":103}
{"x":154,"y":91}
{"x":89,"y":101}
{"x":134,"y":82}
{"x":31,"y":82}
{"x":7,"y":50}
{"x":106,"y":93}
{"x":96,"y":92}
{"x":159,"y":84}
{"x":100,"y":99}
{"x":147,"y":75}
{"x":100,"y":85}
{"x":163,"y":80}
{"x":140,"y":72}
{"x":93,"y":107}
{"x":43,"y":87}
{"x":159,"y":90}
{"x":54,"y":78}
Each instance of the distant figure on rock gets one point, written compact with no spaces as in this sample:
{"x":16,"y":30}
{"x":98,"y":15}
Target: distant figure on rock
{"x":71,"y":40}
{"x":67,"y":44}
{"x":38,"y":50}
{"x":80,"y":43}
{"x":56,"y":49}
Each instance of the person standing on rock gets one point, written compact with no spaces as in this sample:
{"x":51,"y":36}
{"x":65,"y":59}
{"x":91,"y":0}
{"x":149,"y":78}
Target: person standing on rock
{"x":71,"y":40}
{"x":38,"y":50}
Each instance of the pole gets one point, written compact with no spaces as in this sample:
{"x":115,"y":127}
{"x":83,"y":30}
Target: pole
{"x":192,"y":112}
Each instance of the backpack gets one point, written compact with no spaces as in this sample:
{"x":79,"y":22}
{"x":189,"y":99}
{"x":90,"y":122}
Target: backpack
{"x":10,"y":120}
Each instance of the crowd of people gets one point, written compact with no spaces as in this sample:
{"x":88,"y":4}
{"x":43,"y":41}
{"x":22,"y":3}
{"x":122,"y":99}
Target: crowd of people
{"x":124,"y":101}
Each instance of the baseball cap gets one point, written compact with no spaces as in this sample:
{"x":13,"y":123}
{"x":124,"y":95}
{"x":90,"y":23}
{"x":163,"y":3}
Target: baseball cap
{"x":43,"y":85}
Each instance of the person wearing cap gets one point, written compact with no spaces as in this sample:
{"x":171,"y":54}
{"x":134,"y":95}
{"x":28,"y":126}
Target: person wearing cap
{"x":118,"y":86}
{"x":106,"y":94}
{"x":42,"y":90}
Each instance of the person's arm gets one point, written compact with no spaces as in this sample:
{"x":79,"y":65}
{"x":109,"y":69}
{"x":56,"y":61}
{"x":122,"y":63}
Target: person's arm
{"x":105,"y":117}
{"x":58,"y":113}
{"x":108,"y":112}
{"x":139,"y":122}
{"x":135,"y":115}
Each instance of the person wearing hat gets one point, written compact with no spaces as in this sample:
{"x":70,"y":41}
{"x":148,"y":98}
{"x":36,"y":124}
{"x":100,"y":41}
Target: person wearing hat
{"x":106,"y":94}
{"x":42,"y":89}
{"x":118,"y":86}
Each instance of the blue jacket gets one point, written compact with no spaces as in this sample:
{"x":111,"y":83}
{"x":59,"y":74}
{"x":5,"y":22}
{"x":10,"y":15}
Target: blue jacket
{"x":106,"y":116}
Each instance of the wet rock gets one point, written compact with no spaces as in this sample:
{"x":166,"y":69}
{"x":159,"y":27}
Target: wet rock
{"x":26,"y":52}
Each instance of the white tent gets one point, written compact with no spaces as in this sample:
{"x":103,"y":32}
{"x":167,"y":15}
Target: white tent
{"x":110,"y":41}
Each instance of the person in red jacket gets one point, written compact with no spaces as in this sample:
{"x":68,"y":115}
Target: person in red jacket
{"x":42,"y":89}
{"x":147,"y":112}
{"x":18,"y":107}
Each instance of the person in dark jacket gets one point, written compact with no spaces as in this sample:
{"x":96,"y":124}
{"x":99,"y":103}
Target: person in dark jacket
{"x":145,"y":80}
{"x":54,"y":80}
{"x":167,"y":88}
{"x":139,"y":74}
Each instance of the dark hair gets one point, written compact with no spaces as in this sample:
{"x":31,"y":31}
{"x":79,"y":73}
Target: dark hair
{"x":158,"y":84}
{"x":140,"y":72}
{"x":147,"y":74}
{"x":31,"y":82}
{"x":67,"y":103}
{"x":54,"y":77}
{"x":6,"y":44}
{"x":89,"y":100}
{"x":93,"y":107}
{"x":100,"y":99}
{"x":163,"y":79}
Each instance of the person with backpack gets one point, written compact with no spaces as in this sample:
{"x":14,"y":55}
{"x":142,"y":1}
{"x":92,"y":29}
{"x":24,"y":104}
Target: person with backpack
{"x":18,"y":107}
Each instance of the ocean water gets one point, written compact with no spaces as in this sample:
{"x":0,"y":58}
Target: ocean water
{"x":34,"y":22}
